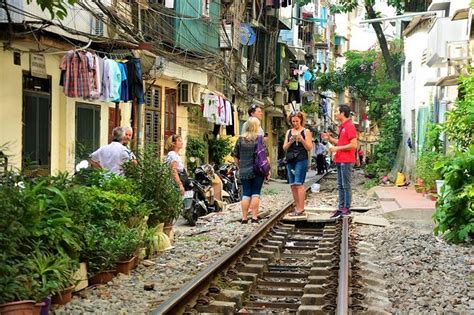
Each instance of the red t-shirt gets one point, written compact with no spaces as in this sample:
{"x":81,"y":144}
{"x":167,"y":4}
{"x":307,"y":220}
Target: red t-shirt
{"x":347,"y":132}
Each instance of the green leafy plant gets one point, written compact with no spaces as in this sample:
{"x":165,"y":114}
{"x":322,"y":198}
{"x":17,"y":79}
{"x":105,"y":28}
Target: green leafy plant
{"x":156,"y":186}
{"x":219,"y":148}
{"x":454,"y":215}
{"x":425,"y":169}
{"x":57,"y":8}
{"x":385,"y":151}
{"x":50,"y":273}
{"x":460,"y":121}
{"x":195,"y":151}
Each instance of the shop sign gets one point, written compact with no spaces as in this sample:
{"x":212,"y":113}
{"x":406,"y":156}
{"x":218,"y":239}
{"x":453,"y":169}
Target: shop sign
{"x":38,"y":66}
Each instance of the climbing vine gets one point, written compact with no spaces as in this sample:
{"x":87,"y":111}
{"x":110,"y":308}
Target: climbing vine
{"x":390,"y":135}
{"x":454,"y":215}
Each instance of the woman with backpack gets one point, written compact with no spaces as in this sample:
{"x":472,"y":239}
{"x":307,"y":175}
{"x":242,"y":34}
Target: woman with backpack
{"x":298,"y":142}
{"x":246,"y":153}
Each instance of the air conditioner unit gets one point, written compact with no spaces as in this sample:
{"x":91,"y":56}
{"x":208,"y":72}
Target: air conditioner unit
{"x":189,"y":93}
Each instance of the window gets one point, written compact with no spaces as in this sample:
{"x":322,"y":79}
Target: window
{"x":205,"y":7}
{"x":36,"y":125}
{"x":87,"y":130}
{"x":409,"y":67}
{"x":153,"y":116}
{"x":170,"y":112}
{"x":97,"y":26}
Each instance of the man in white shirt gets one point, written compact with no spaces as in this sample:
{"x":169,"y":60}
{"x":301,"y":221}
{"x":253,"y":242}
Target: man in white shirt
{"x":113,"y":155}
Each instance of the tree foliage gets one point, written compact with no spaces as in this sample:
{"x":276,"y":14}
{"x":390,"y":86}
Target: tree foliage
{"x":390,"y":135}
{"x":365,"y":75}
{"x":454,"y":214}
{"x":57,"y":8}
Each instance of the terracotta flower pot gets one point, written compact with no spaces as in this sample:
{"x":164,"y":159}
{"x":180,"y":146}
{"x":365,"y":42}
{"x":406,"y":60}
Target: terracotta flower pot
{"x":37,"y":308}
{"x":63,"y":297}
{"x":102,"y":277}
{"x":125,"y":266}
{"x":18,"y":308}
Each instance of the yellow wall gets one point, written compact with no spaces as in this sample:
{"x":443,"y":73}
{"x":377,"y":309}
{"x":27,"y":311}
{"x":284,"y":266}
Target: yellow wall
{"x":63,"y":111}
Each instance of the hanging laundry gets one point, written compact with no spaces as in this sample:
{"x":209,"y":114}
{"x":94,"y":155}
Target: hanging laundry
{"x":112,"y":80}
{"x":95,"y":75}
{"x":76,"y":72}
{"x":135,"y":79}
{"x":210,"y":107}
{"x":230,"y":128}
{"x":123,"y":89}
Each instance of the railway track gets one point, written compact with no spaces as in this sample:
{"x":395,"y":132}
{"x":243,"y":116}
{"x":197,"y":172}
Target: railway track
{"x":281,"y":268}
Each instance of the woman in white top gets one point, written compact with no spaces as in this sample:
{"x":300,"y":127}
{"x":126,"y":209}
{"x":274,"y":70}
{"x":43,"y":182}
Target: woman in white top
{"x":174,"y":143}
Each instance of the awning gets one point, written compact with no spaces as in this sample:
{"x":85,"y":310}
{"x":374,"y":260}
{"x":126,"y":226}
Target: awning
{"x":298,"y":52}
{"x":431,"y":82}
{"x":450,"y":80}
{"x":460,"y":14}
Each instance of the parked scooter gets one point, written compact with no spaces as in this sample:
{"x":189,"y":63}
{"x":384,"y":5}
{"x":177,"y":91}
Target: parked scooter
{"x":199,"y":195}
{"x":231,"y":184}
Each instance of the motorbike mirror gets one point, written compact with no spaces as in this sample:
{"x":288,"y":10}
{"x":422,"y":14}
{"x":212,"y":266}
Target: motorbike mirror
{"x":82,"y":165}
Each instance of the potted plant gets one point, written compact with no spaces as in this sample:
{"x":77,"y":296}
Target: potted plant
{"x":101,"y":252}
{"x":155,"y":184}
{"x":127,"y":243}
{"x":51,"y":274}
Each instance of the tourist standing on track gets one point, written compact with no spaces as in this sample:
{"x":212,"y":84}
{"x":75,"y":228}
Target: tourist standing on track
{"x":345,"y":158}
{"x":243,"y":154}
{"x":298,"y":142}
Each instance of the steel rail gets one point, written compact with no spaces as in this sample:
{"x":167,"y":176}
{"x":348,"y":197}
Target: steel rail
{"x":179,"y":300}
{"x":343,"y":287}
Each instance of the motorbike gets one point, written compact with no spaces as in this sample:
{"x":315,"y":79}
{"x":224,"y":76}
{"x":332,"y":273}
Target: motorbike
{"x":199,"y":195}
{"x":281,"y":169}
{"x":231,"y":185}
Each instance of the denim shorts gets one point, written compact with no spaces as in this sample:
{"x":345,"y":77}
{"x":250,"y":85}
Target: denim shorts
{"x":252,"y":187}
{"x":297,"y":172}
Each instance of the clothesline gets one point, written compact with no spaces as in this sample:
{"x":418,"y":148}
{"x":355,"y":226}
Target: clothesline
{"x":87,"y":75}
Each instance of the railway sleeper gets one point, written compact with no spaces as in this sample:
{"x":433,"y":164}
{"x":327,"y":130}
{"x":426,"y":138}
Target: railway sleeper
{"x":219,"y":307}
{"x":253,"y":268}
{"x":311,"y":310}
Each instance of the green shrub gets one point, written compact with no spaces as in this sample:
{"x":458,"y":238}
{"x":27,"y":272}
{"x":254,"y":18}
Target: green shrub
{"x":195,"y":151}
{"x":425,"y":168}
{"x":219,"y":148}
{"x":454,"y":214}
{"x":156,"y":186}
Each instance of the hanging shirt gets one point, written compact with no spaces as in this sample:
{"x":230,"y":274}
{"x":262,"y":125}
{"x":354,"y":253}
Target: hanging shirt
{"x":116,"y":80}
{"x":76,"y":81}
{"x":95,"y":75}
{"x":123,"y":89}
{"x":135,"y":80}
{"x":210,"y":108}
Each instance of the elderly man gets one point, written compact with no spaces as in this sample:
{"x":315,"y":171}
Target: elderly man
{"x":113,"y":155}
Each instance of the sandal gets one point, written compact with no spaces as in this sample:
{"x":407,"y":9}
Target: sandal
{"x":295,"y":213}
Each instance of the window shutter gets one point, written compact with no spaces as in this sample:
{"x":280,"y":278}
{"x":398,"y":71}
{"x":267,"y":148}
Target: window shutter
{"x":153,"y":117}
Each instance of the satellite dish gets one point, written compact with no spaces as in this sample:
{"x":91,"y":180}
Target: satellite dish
{"x":247,"y":35}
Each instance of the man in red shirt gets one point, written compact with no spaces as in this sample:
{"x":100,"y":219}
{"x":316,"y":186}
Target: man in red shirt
{"x":345,"y":146}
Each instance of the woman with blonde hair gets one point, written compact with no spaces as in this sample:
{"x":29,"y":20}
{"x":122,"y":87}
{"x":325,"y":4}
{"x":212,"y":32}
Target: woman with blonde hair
{"x":298,"y":142}
{"x":243,"y":154}
{"x":174,"y":143}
